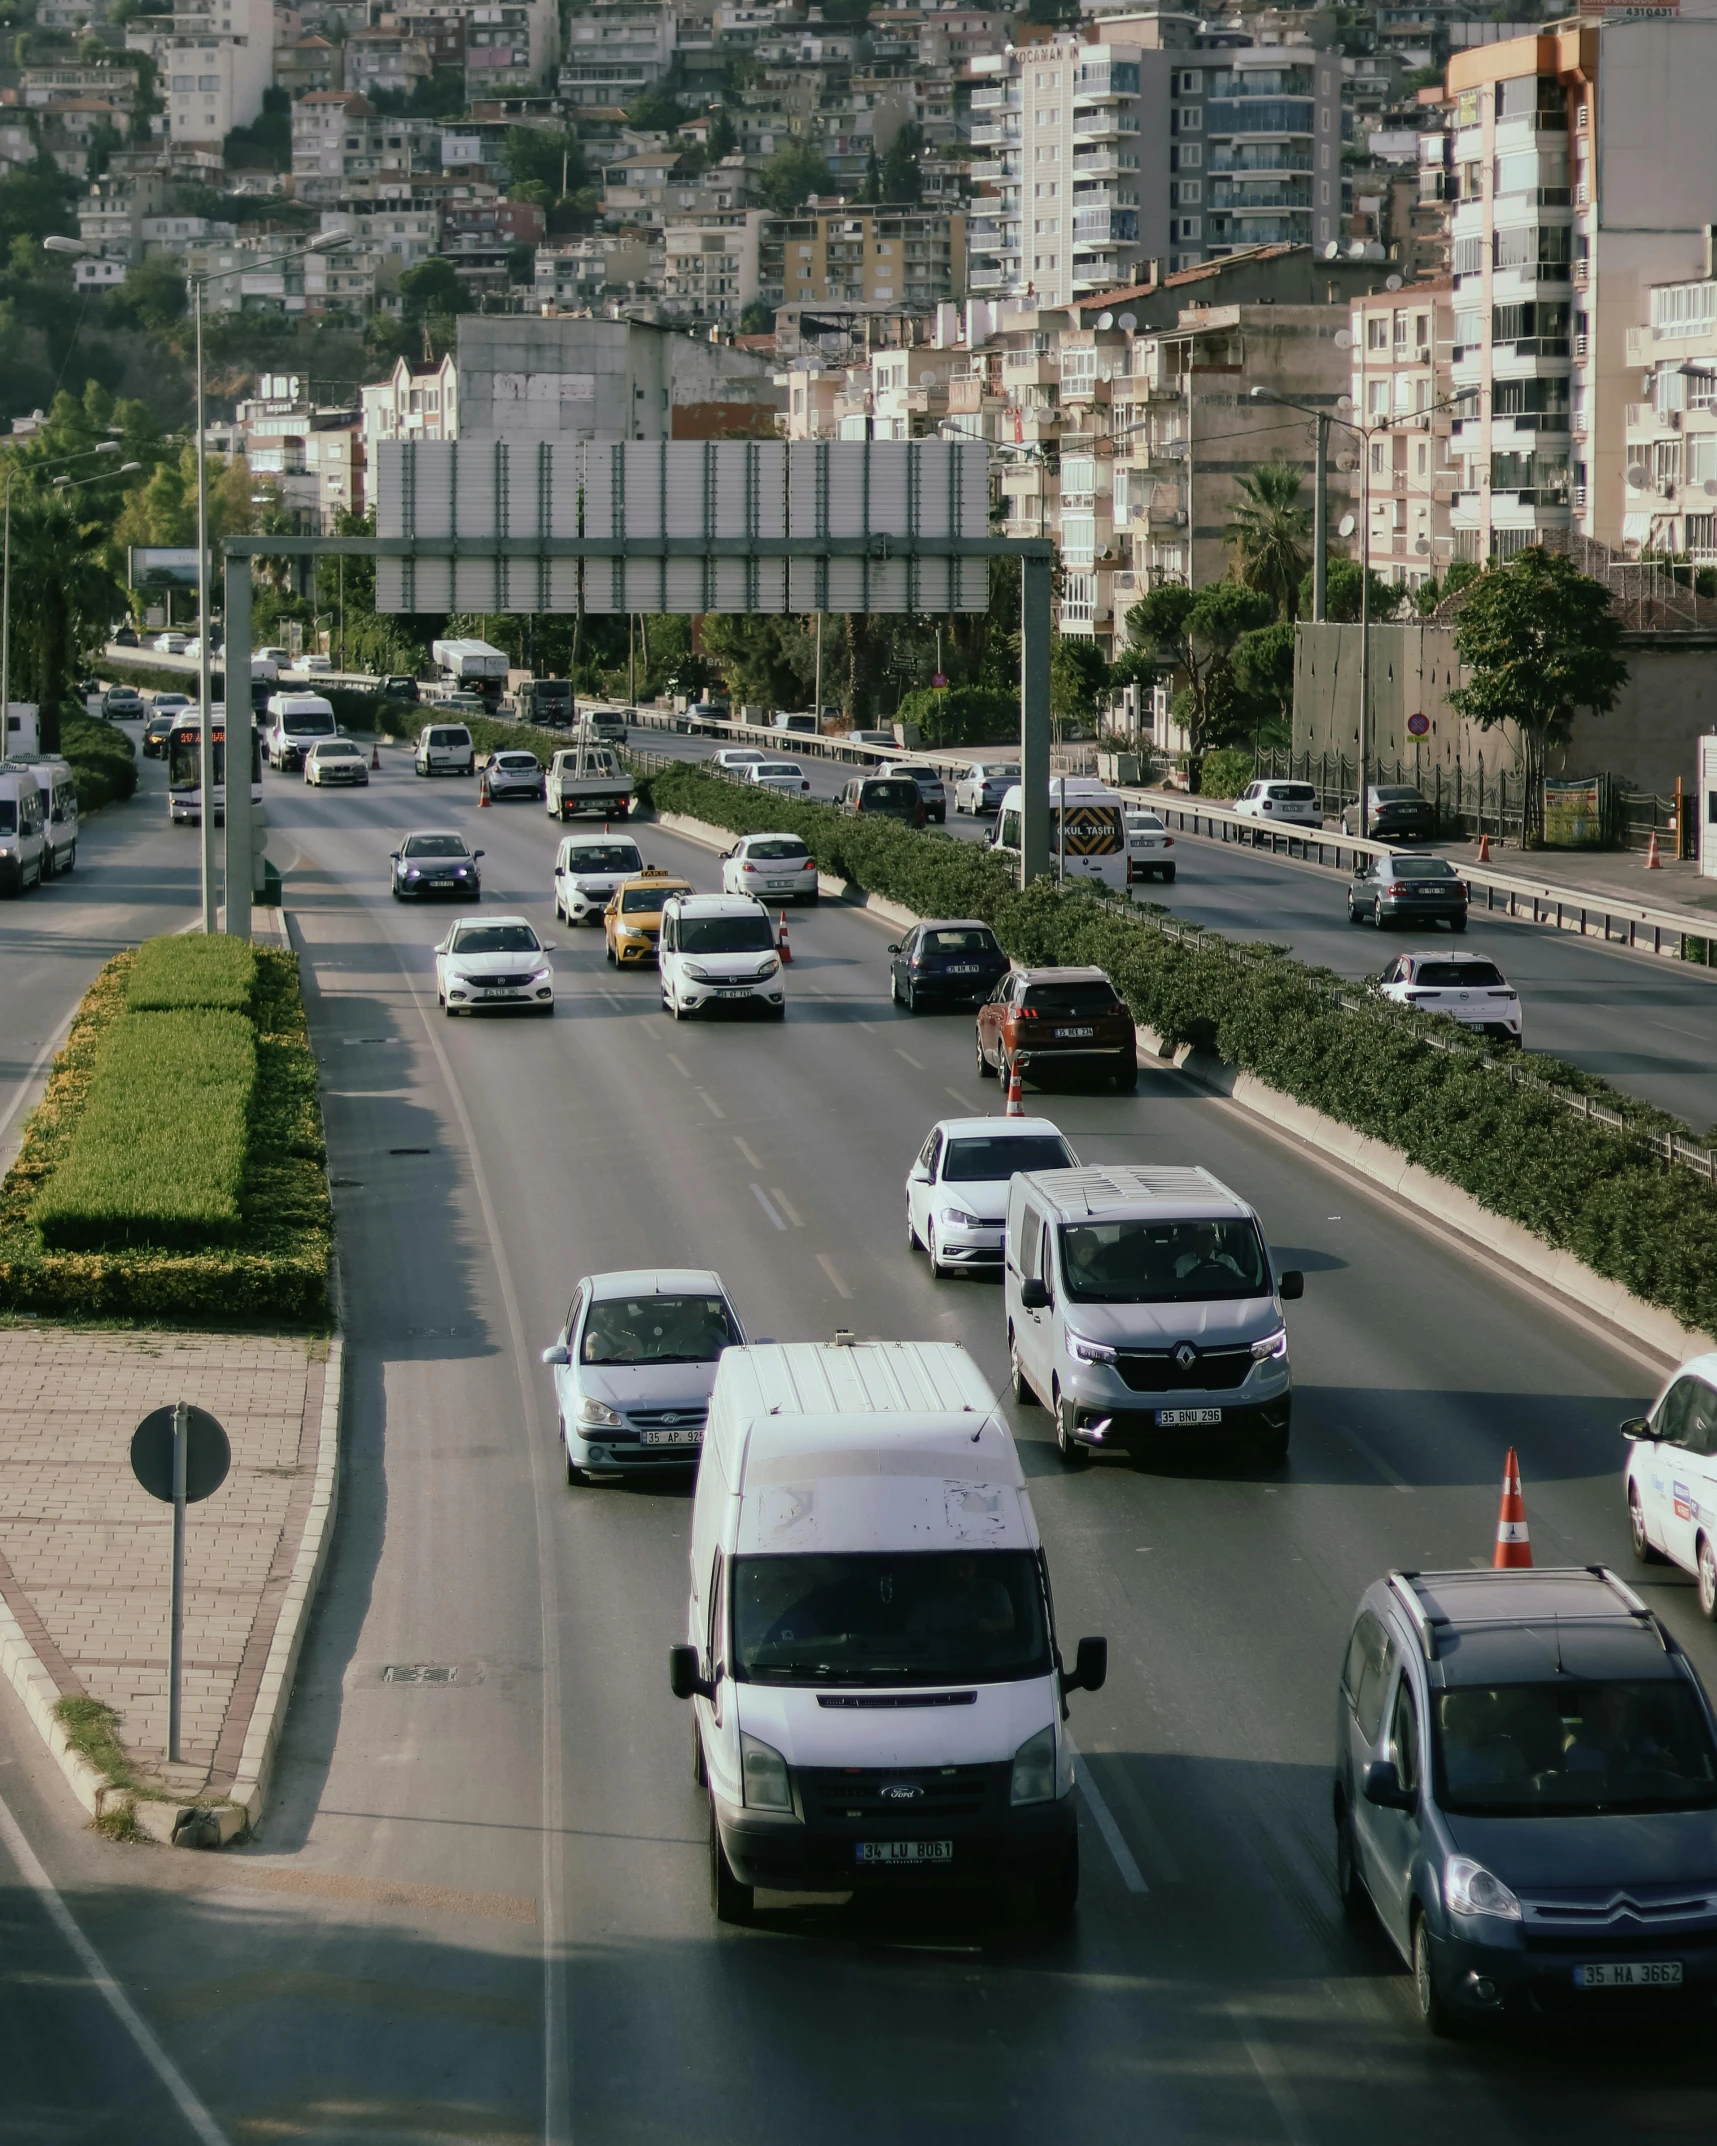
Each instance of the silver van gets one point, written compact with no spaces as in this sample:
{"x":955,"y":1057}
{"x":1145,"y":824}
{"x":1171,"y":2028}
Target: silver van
{"x":58,"y":785}
{"x":22,"y":835}
{"x":1143,"y":1302}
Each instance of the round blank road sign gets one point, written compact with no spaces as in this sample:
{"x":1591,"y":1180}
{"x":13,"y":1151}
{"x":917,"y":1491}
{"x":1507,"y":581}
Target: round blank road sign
{"x":208,"y":1456}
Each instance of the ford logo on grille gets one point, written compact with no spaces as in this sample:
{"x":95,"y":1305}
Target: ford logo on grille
{"x":902,"y":1791}
{"x":1186,"y":1355}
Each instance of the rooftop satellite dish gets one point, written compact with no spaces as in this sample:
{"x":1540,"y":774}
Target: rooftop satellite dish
{"x":926,"y":379}
{"x":1348,"y":462}
{"x":1392,"y":283}
{"x":1346,"y":526}
{"x":1107,"y":373}
{"x":1374,"y":250}
{"x":1639,"y":477}
{"x":1423,"y":544}
{"x":1129,"y":321}
{"x":1105,"y":320}
{"x":1344,"y":402}
{"x":1356,"y":250}
{"x":1332,"y":252}
{"x":1343,"y":339}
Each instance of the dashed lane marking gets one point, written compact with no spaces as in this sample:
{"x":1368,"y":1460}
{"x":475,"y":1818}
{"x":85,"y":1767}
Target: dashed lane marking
{"x":914,"y":1063}
{"x":828,"y":1267}
{"x":1274,"y":2080}
{"x":1132,"y":1877}
{"x":786,"y":1206}
{"x":763,"y":1202}
{"x":755,"y":1161}
{"x":710,"y":1104}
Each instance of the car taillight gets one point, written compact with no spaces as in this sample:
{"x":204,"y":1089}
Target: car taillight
{"x":1025,"y":1013}
{"x":748,"y":867}
{"x":1168,"y":841}
{"x":810,"y":864}
{"x":1395,"y":886}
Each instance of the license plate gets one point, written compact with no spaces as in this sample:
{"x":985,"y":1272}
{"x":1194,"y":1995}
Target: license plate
{"x":1173,"y":1418}
{"x":904,"y":1851}
{"x":733,"y":994}
{"x":963,"y":968}
{"x":689,"y":1437}
{"x":497,"y":991}
{"x":1075,"y":1031}
{"x":1629,"y":1975}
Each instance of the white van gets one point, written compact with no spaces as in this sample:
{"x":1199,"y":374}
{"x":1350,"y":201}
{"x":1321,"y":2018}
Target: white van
{"x":445,"y":749}
{"x":22,"y":836}
{"x":295,"y":722}
{"x":872,"y":1656}
{"x":1096,"y":838}
{"x":59,"y":790}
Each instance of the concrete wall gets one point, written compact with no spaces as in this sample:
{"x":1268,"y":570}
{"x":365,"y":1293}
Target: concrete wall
{"x":1646,"y":741}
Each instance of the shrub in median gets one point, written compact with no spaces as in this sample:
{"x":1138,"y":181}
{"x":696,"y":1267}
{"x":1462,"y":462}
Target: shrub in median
{"x":191,"y":969}
{"x":103,"y":763}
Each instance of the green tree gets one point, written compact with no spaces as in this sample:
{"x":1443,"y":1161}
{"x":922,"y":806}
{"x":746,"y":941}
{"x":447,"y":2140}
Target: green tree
{"x":154,"y":292}
{"x":1341,"y":593}
{"x":1269,"y":530}
{"x":870,"y":186}
{"x":757,"y":318}
{"x":655,"y":112}
{"x":767,"y":660}
{"x":902,"y":181}
{"x":964,"y":715}
{"x":794,"y":171}
{"x":723,"y":140}
{"x":554,"y":159}
{"x":64,"y":596}
{"x":1264,"y":673}
{"x":1539,"y":641}
{"x":1197,"y":633}
{"x":266,"y":144}
{"x":1077,"y":674}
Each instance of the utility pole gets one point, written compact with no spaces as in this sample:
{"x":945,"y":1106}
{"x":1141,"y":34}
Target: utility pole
{"x":1320,"y":522}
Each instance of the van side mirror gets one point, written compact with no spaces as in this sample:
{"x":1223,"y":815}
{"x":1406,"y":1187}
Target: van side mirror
{"x":1638,"y":1427}
{"x":1090,"y":1671}
{"x":1290,"y":1284}
{"x":684,"y":1681}
{"x":1382,"y":1786}
{"x":1033,"y":1294}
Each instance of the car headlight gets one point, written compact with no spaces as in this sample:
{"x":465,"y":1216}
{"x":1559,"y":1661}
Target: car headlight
{"x":697,"y":975}
{"x":1034,"y":1769}
{"x":1275,"y":1344}
{"x":1472,"y":1890}
{"x":594,"y":1415}
{"x":1090,"y":1352}
{"x":411,"y":872}
{"x":768,"y":968}
{"x":767,"y":1787}
{"x":542,"y":975}
{"x":960,"y":1219}
{"x":460,"y":870}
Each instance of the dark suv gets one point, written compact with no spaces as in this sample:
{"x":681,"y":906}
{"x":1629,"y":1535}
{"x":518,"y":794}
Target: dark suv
{"x":890,"y":797}
{"x":1526,"y":1789}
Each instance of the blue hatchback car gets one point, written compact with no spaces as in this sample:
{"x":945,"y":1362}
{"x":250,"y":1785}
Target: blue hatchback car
{"x":1526,"y":1791}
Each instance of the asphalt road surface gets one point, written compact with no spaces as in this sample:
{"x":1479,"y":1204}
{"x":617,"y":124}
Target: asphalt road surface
{"x":478,"y":1910}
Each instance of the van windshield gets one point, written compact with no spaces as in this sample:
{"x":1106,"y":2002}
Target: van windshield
{"x":8,"y":816}
{"x":605,"y":857}
{"x":1574,"y":1749}
{"x":1163,"y":1262}
{"x":726,"y":935}
{"x":889,"y":1617}
{"x":307,"y":723}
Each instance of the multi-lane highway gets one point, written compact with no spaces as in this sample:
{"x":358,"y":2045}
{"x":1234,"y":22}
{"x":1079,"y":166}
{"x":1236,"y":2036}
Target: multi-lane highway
{"x":479,"y":1907}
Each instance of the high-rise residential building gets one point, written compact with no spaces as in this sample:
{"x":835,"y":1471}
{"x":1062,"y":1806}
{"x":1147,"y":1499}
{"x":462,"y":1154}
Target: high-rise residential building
{"x":710,"y":265}
{"x":617,"y":51}
{"x":510,"y":47}
{"x":1671,"y":432}
{"x":1402,"y":344}
{"x":1585,"y":169}
{"x":214,"y":68}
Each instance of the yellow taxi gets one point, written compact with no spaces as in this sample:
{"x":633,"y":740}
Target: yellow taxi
{"x":632,"y":922}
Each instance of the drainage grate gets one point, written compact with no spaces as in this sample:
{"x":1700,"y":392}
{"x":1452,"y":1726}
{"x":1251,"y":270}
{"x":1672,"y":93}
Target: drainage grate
{"x":419,"y":1673}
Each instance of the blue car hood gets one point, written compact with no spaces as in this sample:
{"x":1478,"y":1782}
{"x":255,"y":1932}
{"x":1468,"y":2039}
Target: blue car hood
{"x":1542,"y":1855}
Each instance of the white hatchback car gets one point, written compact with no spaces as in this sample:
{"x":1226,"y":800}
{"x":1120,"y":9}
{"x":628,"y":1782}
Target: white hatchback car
{"x":335,"y":760}
{"x":1280,"y":804}
{"x":735,"y":759}
{"x":719,"y":950}
{"x":787,"y":776}
{"x":1148,"y":846}
{"x":1672,"y":1477}
{"x":493,"y":961}
{"x":957,"y":1190}
{"x":776,"y":868}
{"x":1470,"y":988}
{"x":587,"y":869}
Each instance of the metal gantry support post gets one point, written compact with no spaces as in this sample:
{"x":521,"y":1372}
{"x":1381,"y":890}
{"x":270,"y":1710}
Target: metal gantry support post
{"x":1320,"y":522}
{"x":240,"y":723}
{"x":206,"y":748}
{"x":1035,"y":581}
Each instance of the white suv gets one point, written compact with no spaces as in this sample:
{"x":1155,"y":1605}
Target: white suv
{"x":1469,"y":988}
{"x":1280,"y":804}
{"x":719,"y":949}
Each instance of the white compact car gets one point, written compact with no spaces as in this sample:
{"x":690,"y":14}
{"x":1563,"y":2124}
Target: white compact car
{"x":735,"y":759}
{"x":1672,"y":1478}
{"x":776,"y":868}
{"x":983,"y":786}
{"x":719,"y":950}
{"x":314,"y":665}
{"x":335,"y":760}
{"x":493,"y":961}
{"x":1470,"y":988}
{"x":587,"y":869}
{"x":1148,"y":846}
{"x":787,"y":776}
{"x":515,"y":774}
{"x":957,"y":1189}
{"x":1280,"y":804}
{"x":169,"y":644}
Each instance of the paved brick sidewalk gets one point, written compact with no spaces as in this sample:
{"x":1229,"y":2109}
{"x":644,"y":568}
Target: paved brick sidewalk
{"x":85,"y":1554}
{"x":1600,"y":874}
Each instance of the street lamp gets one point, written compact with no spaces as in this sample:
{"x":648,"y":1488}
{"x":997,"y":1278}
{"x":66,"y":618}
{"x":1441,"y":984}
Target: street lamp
{"x":107,"y":447}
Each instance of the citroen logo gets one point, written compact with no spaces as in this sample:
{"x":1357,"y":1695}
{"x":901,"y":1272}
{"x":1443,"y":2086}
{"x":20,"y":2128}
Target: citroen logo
{"x":902,"y":1791}
{"x":1186,"y":1355}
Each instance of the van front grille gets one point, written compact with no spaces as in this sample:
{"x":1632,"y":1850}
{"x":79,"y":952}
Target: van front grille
{"x":1213,"y":1371}
{"x":916,"y":1797}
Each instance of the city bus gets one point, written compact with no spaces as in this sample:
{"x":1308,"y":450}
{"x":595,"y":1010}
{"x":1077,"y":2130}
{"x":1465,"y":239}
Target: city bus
{"x":185,"y":766}
{"x":1094,"y":845}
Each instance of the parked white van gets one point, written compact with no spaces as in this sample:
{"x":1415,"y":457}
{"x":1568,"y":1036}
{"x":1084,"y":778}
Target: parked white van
{"x":22,"y":838}
{"x":58,"y":785}
{"x":879,"y":1697}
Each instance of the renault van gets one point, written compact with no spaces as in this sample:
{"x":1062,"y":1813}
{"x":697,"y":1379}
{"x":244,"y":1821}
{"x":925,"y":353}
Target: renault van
{"x":22,"y":835}
{"x":58,"y":785}
{"x":879,"y":1698}
{"x":1143,"y":1302}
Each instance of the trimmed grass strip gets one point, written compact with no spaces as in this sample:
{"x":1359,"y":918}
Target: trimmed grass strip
{"x":190,"y":970}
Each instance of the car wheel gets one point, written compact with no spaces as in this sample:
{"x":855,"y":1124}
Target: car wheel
{"x":1349,"y":1885}
{"x":986,"y":1071}
{"x":778,"y":1013}
{"x":731,"y":1901}
{"x":1379,"y":921}
{"x":1353,"y":915}
{"x":914,"y":1243}
{"x":1645,"y":1551}
{"x":912,"y":998}
{"x":71,"y":858}
{"x":1273,"y":1448}
{"x":576,"y":1478}
{"x":1127,"y":1074}
{"x":1023,"y":1391}
{"x":612,"y":963}
{"x":1071,"y":1451}
{"x":1458,"y":923}
{"x":1168,"y":875}
{"x":45,"y":870}
{"x":1707,"y":1572}
{"x":938,"y":1272}
{"x":893,"y":986}
{"x":1433,"y":2011}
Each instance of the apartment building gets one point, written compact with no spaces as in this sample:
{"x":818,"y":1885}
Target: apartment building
{"x":579,"y":272}
{"x":1671,"y":432}
{"x":112,"y":216}
{"x":43,"y":88}
{"x":510,"y":48}
{"x":414,"y":402}
{"x":306,"y":64}
{"x":328,"y":127}
{"x":1585,"y":174}
{"x":478,"y":237}
{"x":614,"y":53}
{"x":880,"y":255}
{"x":1403,"y":344}
{"x":390,"y":60}
{"x":396,"y":232}
{"x":214,"y":69}
{"x":312,"y":456}
{"x":710,"y":269}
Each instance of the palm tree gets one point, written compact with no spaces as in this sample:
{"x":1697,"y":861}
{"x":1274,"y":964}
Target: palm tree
{"x":1269,"y":530}
{"x":63,"y":600}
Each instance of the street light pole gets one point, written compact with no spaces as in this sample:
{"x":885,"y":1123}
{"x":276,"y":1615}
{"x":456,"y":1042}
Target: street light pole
{"x":206,"y":747}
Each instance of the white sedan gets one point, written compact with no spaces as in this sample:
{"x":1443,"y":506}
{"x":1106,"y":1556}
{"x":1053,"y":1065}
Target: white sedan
{"x":335,"y":760}
{"x":735,"y":759}
{"x":1470,"y":988}
{"x":169,"y":644}
{"x":776,"y":868}
{"x":493,"y":961}
{"x":787,"y":776}
{"x":1148,"y":846}
{"x":982,"y":787}
{"x":957,"y":1189}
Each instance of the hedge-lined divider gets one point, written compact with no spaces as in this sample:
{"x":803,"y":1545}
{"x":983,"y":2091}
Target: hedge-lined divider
{"x":1599,"y":1191}
{"x":192,"y":969}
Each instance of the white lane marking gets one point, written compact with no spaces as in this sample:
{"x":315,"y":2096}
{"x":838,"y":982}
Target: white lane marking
{"x":786,"y":1206}
{"x":763,"y":1202}
{"x":1275,"y":2082}
{"x":910,"y":1060}
{"x":677,"y":1065}
{"x":754,"y":1160}
{"x":160,"y":2063}
{"x":964,"y":1101}
{"x":41,"y":1059}
{"x":828,"y":1267}
{"x":1163,"y":1860}
{"x":710,"y":1103}
{"x":1389,"y":1475}
{"x":1132,"y":1877}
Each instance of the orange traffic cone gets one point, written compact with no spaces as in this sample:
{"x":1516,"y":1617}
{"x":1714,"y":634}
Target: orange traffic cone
{"x":482,"y":786}
{"x":1653,"y":862}
{"x":1513,"y":1544}
{"x":1016,"y":1092}
{"x":785,"y":944}
{"x":376,"y":754}
{"x":1484,"y":848}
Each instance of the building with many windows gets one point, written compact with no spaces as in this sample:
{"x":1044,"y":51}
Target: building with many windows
{"x":1671,"y":431}
{"x":1403,"y":342}
{"x":842,"y":253}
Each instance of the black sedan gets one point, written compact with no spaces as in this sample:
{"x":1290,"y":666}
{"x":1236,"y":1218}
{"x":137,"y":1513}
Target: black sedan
{"x":1412,"y":889}
{"x":1396,"y":813}
{"x":949,"y":962}
{"x":155,"y":735}
{"x":434,"y":864}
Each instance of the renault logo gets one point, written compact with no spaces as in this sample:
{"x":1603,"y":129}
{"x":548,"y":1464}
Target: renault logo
{"x":902,"y":1791}
{"x":1186,"y":1355}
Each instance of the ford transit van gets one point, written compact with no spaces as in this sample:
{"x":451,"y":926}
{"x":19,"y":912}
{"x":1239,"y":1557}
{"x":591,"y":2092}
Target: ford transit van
{"x":871,"y":1656}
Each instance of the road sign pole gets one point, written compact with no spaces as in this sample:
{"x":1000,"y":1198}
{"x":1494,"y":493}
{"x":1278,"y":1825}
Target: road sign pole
{"x":176,"y":1641}
{"x":1034,"y":718}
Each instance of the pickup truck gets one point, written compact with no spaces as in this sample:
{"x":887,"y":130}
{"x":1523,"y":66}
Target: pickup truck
{"x":588,"y":778}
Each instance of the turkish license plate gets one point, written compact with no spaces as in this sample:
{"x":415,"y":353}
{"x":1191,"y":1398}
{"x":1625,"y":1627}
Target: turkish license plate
{"x":963,"y":968}
{"x":1075,"y":1032}
{"x":692,"y":1435}
{"x":498,"y":991}
{"x":1629,"y":1975}
{"x":732,"y":994}
{"x":782,"y":886}
{"x":1175,"y":1418}
{"x":904,"y":1851}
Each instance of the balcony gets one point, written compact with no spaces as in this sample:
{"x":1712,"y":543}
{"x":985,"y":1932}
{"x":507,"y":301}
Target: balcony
{"x":981,"y":277}
{"x":993,"y":137}
{"x":1090,"y":128}
{"x":1005,"y":99}
{"x":1031,"y":368}
{"x":988,"y":174}
{"x":1096,"y":164}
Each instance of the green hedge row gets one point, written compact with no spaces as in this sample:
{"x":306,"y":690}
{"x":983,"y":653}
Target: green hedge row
{"x":103,"y":761}
{"x":190,"y":969}
{"x":1604,"y":1195}
{"x":274,"y":1271}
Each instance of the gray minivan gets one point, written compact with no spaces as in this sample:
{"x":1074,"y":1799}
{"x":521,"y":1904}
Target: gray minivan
{"x":1142,"y":1303}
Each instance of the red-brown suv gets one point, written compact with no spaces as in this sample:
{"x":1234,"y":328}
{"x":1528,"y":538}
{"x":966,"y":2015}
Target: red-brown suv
{"x":1037,"y":1018}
